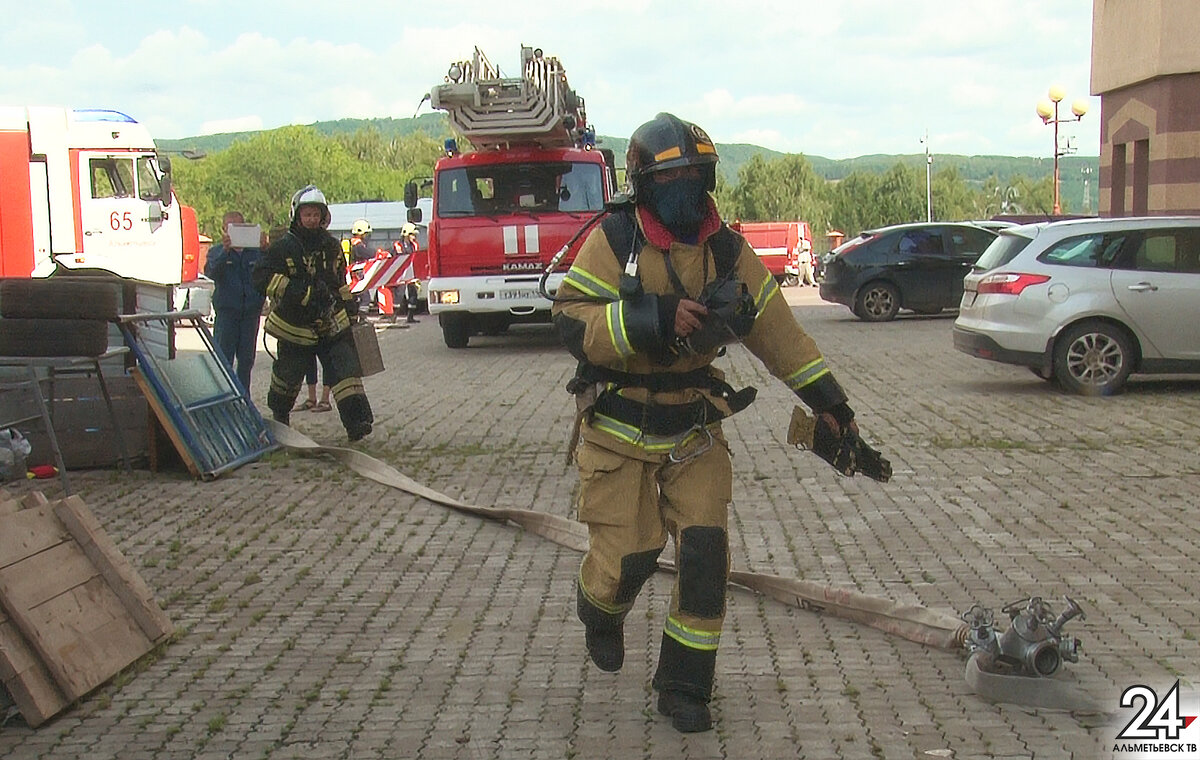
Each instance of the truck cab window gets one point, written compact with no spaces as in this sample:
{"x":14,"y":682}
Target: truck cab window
{"x":148,"y":186}
{"x":111,"y":177}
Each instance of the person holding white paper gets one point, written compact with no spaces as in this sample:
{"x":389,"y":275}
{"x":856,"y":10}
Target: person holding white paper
{"x":237,"y":304}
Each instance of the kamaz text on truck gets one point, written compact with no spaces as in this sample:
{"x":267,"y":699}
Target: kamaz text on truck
{"x":85,"y":191}
{"x":501,"y":211}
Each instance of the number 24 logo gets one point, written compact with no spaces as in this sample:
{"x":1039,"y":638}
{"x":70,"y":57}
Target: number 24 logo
{"x":1154,"y":719}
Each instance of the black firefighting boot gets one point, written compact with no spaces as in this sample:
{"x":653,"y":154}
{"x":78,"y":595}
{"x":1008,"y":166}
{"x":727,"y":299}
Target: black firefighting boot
{"x":684,"y":683}
{"x":688,"y":714}
{"x":604,"y":634}
{"x":356,"y":415}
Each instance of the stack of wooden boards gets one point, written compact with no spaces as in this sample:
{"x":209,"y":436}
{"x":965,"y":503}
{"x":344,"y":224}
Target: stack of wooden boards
{"x":73,"y":611}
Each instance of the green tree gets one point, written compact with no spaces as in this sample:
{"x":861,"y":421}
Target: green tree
{"x":258,"y":175}
{"x":953,"y":200}
{"x":1034,"y":196}
{"x":780,"y":189}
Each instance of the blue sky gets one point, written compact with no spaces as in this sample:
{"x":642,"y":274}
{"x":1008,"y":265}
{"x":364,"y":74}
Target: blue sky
{"x":835,"y":78}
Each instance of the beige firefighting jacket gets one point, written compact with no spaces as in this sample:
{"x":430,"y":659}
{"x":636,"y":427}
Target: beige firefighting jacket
{"x":592,"y":322}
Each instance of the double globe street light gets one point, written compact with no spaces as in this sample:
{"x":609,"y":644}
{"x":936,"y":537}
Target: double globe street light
{"x":1048,"y":110}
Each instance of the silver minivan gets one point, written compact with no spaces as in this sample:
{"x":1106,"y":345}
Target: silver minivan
{"x":1087,"y":301}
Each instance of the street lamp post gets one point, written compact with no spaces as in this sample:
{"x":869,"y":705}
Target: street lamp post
{"x":1087,"y":192}
{"x":1048,"y":111}
{"x":928,"y":179}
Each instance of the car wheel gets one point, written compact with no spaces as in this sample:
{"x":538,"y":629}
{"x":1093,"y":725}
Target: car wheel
{"x":877,"y":302}
{"x":791,"y":281}
{"x":1093,"y":358}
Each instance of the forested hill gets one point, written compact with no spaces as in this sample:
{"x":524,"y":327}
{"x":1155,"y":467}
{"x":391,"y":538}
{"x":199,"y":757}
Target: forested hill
{"x":973,"y":169}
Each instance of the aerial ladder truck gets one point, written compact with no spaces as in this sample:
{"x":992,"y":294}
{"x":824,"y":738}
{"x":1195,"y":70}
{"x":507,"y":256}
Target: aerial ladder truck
{"x":502,"y":208}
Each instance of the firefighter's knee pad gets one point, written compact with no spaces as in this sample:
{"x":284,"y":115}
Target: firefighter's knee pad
{"x":703,"y":571}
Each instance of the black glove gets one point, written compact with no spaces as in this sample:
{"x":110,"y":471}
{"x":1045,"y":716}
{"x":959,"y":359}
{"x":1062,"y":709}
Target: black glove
{"x":320,"y":301}
{"x":832,"y":437}
{"x":351,"y":307}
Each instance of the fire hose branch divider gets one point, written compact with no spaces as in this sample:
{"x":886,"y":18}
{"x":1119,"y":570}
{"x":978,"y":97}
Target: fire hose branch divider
{"x":943,"y":630}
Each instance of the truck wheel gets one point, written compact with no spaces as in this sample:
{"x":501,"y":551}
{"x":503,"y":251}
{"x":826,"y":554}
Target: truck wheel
{"x":53,"y":337}
{"x":59,"y":298}
{"x":456,"y":332}
{"x":791,"y":280}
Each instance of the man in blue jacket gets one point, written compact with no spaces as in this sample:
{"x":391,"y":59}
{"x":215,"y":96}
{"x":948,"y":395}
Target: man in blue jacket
{"x":237,"y":304}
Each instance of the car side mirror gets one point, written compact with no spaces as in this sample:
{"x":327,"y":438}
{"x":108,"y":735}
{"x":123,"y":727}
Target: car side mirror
{"x":414,"y":215}
{"x":410,"y":196}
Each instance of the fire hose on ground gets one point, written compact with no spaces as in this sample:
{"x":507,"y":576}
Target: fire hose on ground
{"x":1017,"y":666}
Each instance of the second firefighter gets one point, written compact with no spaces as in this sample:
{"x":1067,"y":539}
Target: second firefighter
{"x":304,"y":276}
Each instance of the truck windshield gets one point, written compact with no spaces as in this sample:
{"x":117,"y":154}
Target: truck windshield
{"x":520,"y":188}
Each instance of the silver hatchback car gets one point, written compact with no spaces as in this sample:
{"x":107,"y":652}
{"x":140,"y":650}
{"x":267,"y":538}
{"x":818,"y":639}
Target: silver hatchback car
{"x":1087,"y":301}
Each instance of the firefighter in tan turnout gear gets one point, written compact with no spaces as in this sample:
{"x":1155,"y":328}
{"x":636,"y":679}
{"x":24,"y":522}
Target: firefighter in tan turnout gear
{"x":653,"y":295}
{"x":304,"y":275}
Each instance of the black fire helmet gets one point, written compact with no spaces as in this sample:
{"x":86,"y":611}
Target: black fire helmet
{"x":666,"y":142}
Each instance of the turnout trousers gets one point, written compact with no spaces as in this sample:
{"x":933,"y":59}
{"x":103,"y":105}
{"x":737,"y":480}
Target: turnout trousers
{"x":630,"y":505}
{"x":342,"y":373}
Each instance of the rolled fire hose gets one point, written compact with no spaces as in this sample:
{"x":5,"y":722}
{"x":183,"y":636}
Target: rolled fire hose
{"x":924,"y":626}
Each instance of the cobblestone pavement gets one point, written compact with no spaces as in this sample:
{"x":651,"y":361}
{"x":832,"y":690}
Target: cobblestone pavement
{"x":324,"y":616}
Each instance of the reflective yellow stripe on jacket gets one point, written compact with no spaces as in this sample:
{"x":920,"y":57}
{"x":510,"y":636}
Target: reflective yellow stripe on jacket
{"x":807,"y":374}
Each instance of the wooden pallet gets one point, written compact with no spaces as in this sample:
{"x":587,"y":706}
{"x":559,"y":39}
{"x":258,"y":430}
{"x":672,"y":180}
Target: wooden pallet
{"x":73,"y":611}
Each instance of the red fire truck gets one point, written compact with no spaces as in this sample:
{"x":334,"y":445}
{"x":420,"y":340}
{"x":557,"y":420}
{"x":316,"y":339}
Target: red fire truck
{"x":780,"y":246}
{"x":501,"y":210}
{"x":84,"y":190}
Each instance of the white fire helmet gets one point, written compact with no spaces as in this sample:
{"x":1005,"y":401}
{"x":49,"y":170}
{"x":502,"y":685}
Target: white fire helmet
{"x":311,"y":194}
{"x":360,"y":228}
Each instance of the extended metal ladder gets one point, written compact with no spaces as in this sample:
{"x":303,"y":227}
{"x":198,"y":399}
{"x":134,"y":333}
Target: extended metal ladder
{"x":491,"y":110}
{"x":205,"y":411}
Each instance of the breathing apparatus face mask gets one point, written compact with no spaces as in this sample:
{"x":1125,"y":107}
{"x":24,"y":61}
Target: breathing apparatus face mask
{"x":679,"y":204}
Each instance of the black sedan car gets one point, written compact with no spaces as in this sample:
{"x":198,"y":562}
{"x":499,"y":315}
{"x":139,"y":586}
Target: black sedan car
{"x":906,"y":266}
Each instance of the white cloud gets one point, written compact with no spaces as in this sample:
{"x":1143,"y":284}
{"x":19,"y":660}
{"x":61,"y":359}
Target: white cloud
{"x":826,"y":78}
